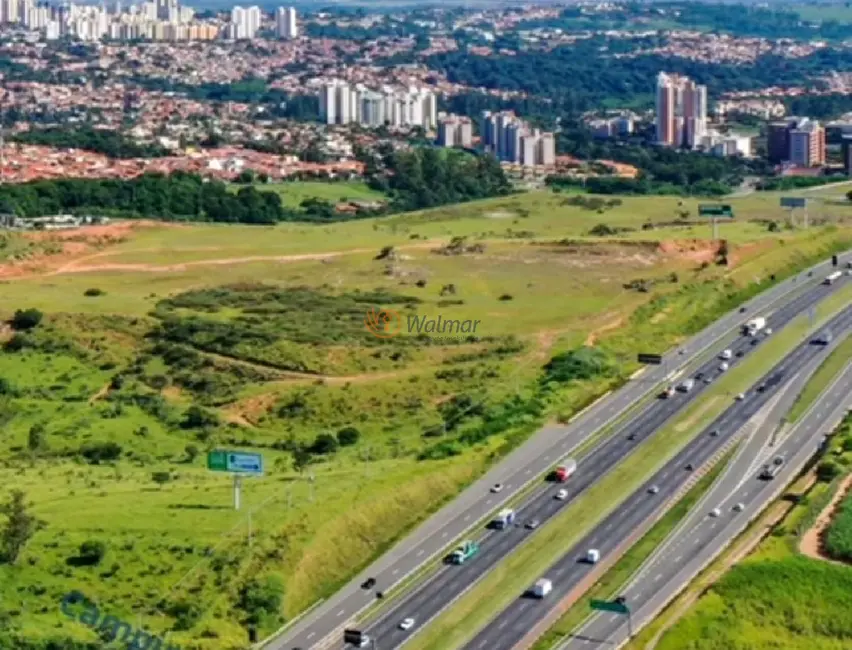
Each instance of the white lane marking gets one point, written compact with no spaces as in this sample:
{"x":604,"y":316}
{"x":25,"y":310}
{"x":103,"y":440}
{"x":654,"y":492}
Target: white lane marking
{"x":488,"y":503}
{"x":529,"y":471}
{"x":659,"y":575}
{"x":677,"y":559}
{"x":420,"y":552}
{"x":311,"y":636}
{"x":341,"y":613}
{"x":467,"y":518}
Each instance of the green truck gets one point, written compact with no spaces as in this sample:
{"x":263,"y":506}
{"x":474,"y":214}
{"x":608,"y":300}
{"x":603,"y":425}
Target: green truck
{"x":464,"y":552}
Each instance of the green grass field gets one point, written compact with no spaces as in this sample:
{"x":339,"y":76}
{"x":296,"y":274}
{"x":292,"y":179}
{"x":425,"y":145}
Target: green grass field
{"x":753,"y":606}
{"x":831,"y":367}
{"x":262,"y":331}
{"x":294,"y":192}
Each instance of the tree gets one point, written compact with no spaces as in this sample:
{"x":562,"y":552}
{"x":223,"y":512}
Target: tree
{"x":348,"y":436}
{"x":92,"y":552}
{"x":19,"y":528}
{"x":196,"y":417}
{"x":26,"y":319}
{"x":191,"y":453}
{"x":324,"y":443}
{"x":261,"y":598}
{"x":35,"y":438}
{"x":301,"y":458}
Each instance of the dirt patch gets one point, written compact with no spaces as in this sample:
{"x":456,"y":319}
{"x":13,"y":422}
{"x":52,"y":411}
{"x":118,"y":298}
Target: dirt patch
{"x":660,"y":316}
{"x":694,"y":250}
{"x":812,"y":544}
{"x":594,"y":335}
{"x":103,"y":392}
{"x":59,"y":247}
{"x":249,"y":410}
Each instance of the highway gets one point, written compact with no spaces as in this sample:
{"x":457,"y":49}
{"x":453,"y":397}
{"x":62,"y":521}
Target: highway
{"x":696,"y":545}
{"x":450,"y":582}
{"x":512,"y":627}
{"x":521,"y":467}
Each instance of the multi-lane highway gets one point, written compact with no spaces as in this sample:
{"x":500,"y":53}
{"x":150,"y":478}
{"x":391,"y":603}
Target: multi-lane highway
{"x":447,"y":584}
{"x":694,"y":546}
{"x":518,"y":469}
{"x":512,"y":627}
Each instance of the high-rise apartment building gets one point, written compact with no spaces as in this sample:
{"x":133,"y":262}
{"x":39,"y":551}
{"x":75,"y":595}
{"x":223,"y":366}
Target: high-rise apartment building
{"x":511,"y":139}
{"x":455,"y":131}
{"x":797,"y":140}
{"x":245,"y":21}
{"x":681,"y":111}
{"x":285,"y":23}
{"x":342,"y":104}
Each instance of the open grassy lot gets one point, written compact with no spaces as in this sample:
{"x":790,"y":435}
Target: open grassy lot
{"x":294,"y":192}
{"x":169,"y":340}
{"x":827,"y":372}
{"x":775,"y":593}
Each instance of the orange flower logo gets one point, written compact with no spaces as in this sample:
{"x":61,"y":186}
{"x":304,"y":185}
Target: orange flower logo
{"x":383,"y":323}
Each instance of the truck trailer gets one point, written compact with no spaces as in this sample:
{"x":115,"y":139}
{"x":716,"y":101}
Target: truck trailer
{"x":541,"y":588}
{"x":753,"y":326}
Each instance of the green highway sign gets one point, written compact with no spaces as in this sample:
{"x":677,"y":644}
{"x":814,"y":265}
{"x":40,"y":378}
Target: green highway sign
{"x":715,"y":210}
{"x":237,"y":462}
{"x":609,"y":606}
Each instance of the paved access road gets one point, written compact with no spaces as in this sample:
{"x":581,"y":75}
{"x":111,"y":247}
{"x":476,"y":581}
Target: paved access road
{"x":430,"y":598}
{"x":695,"y":546}
{"x":512,"y":625}
{"x":525,"y":464}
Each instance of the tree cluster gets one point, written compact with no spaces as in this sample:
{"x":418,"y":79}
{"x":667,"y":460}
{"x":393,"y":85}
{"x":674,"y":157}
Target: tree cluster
{"x":110,"y":143}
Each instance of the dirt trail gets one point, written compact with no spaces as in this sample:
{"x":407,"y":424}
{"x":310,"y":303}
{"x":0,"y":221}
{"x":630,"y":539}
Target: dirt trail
{"x":811,"y":544}
{"x":593,"y":336}
{"x":103,"y":392}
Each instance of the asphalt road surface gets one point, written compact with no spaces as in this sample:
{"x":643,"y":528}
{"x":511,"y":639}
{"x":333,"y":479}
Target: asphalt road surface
{"x":519,"y":468}
{"x":434,"y":595}
{"x":694,"y":547}
{"x":514,"y":623}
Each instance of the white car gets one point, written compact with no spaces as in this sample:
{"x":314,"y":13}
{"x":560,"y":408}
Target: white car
{"x":562,"y":495}
{"x":740,"y":397}
{"x":739,"y":507}
{"x":653,"y":489}
{"x":726,"y":354}
{"x":497,"y":487}
{"x":723,"y":366}
{"x":767,"y":331}
{"x":407,"y":624}
{"x":715,"y":512}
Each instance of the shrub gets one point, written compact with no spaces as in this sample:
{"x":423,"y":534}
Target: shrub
{"x":324,"y":443}
{"x":185,"y":613}
{"x":196,"y":417}
{"x":97,"y":452}
{"x":262,"y":598}
{"x":26,"y":319}
{"x":579,"y":364}
{"x":17,"y":343}
{"x":92,"y":552}
{"x":91,"y":293}
{"x":348,"y":436}
{"x":828,"y":470}
{"x":161,"y":477}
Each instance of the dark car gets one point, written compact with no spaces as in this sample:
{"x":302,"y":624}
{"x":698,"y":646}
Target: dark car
{"x":742,"y":310}
{"x":690,"y":467}
{"x":369,"y":583}
{"x":761,"y":388}
{"x":740,"y":353}
{"x":532,"y":524}
{"x":755,"y":341}
{"x":714,"y":433}
{"x":632,"y":436}
{"x":699,"y":376}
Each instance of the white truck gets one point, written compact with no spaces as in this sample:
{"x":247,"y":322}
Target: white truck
{"x":753,"y":326}
{"x":686,"y":385}
{"x":504,"y":519}
{"x":541,"y":588}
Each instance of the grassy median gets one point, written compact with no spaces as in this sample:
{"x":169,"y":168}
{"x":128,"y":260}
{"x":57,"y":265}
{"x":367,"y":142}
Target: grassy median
{"x":503,"y":584}
{"x":825,"y":374}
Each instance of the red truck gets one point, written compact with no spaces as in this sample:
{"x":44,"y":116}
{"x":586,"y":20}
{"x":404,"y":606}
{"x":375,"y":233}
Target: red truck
{"x":564,"y":471}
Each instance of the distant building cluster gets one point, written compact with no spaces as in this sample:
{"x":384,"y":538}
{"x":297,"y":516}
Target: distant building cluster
{"x":455,"y":131}
{"x":512,"y":140}
{"x":798,"y":141}
{"x":341,"y":103}
{"x":610,"y":127}
{"x":681,"y":111}
{"x":159,"y":20}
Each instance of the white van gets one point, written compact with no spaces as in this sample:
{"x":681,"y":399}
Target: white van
{"x":593,"y":555}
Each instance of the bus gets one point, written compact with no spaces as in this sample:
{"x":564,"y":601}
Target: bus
{"x":831,"y":278}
